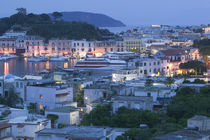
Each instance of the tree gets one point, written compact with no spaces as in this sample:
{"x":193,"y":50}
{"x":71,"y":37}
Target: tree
{"x":149,"y":82}
{"x":188,"y":103}
{"x":199,"y":67}
{"x":169,"y":81}
{"x":53,"y":118}
{"x":80,"y":98}
{"x":11,"y":99}
{"x":21,"y":11}
{"x":56,"y":15}
{"x":32,"y":108}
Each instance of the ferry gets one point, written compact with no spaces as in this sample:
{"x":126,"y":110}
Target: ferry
{"x":100,"y":63}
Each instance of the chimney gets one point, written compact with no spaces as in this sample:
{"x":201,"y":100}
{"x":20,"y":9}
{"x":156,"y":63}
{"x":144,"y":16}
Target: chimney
{"x":104,"y":131}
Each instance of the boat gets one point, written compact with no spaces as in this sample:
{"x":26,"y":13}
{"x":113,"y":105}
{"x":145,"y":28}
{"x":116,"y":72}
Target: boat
{"x":100,"y":63}
{"x":58,"y":58}
{"x":37,"y":59}
{"x":6,"y":57}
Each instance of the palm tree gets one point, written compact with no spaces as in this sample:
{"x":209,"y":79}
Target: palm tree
{"x":56,"y":15}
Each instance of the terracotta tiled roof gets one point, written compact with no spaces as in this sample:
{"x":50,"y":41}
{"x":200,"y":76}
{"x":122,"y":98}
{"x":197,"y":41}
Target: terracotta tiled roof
{"x":4,"y":125}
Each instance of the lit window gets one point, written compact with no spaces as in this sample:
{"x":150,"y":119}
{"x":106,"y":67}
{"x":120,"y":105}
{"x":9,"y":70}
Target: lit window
{"x":40,"y":107}
{"x":40,"y":96}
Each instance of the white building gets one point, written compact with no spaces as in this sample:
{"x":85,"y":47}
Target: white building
{"x":49,"y":96}
{"x":151,"y":66}
{"x":132,"y":102}
{"x":25,"y":127}
{"x":125,"y":74}
{"x":66,"y":115}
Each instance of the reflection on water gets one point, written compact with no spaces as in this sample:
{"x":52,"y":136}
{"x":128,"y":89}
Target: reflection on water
{"x":21,"y":67}
{"x":6,"y":68}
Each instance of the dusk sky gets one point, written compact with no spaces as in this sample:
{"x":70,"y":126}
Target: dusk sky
{"x":131,"y":12}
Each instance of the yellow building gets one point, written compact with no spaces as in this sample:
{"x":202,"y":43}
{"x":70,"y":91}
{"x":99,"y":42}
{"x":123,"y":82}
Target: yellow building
{"x":134,"y":45}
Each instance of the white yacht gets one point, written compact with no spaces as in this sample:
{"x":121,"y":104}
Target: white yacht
{"x":37,"y":59}
{"x":100,"y":63}
{"x":58,"y":58}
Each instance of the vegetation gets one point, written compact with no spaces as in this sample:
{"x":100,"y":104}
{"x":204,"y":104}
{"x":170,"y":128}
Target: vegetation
{"x":196,"y":81}
{"x":11,"y":99}
{"x":80,"y":98}
{"x":56,"y":15}
{"x":53,"y":118}
{"x":149,"y":82}
{"x":42,"y":25}
{"x":169,"y":81}
{"x":197,"y":66}
{"x":183,"y":106}
{"x":204,"y":47}
{"x":124,"y":118}
{"x":32,"y":108}
{"x":188,"y":103}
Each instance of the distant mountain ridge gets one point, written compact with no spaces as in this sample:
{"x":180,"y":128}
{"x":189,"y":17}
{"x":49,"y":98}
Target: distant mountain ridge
{"x":99,"y":20}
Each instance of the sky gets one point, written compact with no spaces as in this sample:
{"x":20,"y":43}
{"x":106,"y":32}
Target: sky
{"x":130,"y":12}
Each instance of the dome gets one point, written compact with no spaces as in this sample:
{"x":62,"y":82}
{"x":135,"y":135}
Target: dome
{"x":9,"y":76}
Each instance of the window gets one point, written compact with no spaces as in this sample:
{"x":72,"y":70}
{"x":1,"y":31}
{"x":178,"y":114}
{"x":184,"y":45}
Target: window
{"x":111,"y":49}
{"x":82,"y":44}
{"x":149,"y":94}
{"x":154,"y":63}
{"x":145,"y":71}
{"x":21,"y":85}
{"x":82,"y":50}
{"x":41,"y":97}
{"x":145,"y":64}
{"x":40,"y":106}
{"x":129,"y":105}
{"x":105,"y":49}
{"x":0,"y":84}
{"x":17,"y":85}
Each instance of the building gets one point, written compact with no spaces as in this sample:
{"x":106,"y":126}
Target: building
{"x":24,"y":128}
{"x":134,"y":45}
{"x":81,"y":47}
{"x":184,"y":135}
{"x":132,"y":102}
{"x":96,"y":91}
{"x":47,"y":94}
{"x":77,"y":133}
{"x":207,"y":30}
{"x":200,"y":122}
{"x":5,"y":130}
{"x":102,"y":47}
{"x":148,"y":66}
{"x":66,"y":115}
{"x":197,"y":129}
{"x":125,"y":74}
{"x":8,"y":45}
{"x":176,"y":57}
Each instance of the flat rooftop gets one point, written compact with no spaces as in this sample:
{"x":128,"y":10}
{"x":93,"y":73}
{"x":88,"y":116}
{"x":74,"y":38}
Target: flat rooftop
{"x":65,"y":109}
{"x":78,"y":131}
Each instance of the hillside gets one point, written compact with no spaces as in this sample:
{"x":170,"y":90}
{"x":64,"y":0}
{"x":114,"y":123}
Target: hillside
{"x":42,"y":25}
{"x":98,"y":20}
